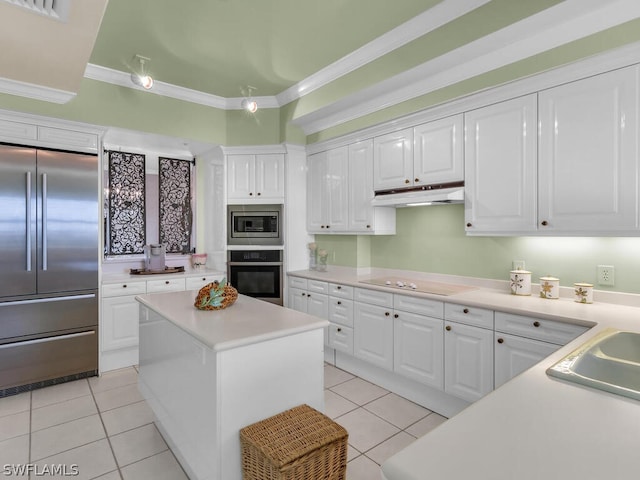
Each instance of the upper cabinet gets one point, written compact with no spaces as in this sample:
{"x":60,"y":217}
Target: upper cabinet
{"x":255,"y":178}
{"x":500,"y":167}
{"x":431,"y":153}
{"x":587,"y":168}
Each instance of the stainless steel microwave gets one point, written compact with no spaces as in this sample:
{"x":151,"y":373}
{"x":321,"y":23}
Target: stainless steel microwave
{"x":254,"y":224}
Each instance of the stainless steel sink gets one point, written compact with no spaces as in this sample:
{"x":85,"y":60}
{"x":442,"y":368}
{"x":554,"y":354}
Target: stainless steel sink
{"x":610,"y":361}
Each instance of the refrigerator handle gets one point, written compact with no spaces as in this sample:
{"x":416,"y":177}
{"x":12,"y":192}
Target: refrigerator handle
{"x":28,"y":229}
{"x":44,"y":221}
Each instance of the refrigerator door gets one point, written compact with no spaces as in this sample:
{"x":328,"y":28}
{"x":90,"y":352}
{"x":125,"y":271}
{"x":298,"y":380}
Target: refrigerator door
{"x":68,"y":216}
{"x":17,"y":221}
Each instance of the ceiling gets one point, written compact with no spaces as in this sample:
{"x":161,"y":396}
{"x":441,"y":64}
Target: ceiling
{"x":283,"y":49}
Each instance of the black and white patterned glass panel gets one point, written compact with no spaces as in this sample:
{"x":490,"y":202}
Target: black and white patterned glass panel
{"x":176,"y":216}
{"x":126,"y":229}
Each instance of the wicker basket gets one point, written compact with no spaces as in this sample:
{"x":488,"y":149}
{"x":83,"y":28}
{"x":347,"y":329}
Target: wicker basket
{"x":298,"y":444}
{"x":229,"y":296}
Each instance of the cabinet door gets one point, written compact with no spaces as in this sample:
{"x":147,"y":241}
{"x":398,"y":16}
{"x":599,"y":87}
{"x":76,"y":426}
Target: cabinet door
{"x":418,"y":348}
{"x":241,"y":177}
{"x":119,"y":325}
{"x":336,"y":185}
{"x":514,"y":355}
{"x":341,"y":338}
{"x":587,"y":164}
{"x":316,"y":193}
{"x":468,"y":361}
{"x":341,"y":311}
{"x":298,"y":299}
{"x":500,"y":167}
{"x":269,"y":180}
{"x":438,"y":152}
{"x":318,"y":305}
{"x":373,"y":334}
{"x":361,"y":186}
{"x":393,"y":160}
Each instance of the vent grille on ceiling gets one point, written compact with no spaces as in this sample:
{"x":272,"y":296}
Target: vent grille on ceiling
{"x":57,"y":9}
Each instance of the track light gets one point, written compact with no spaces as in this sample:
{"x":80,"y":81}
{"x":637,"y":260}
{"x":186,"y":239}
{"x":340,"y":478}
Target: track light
{"x":249,"y":105}
{"x":141,"y":78}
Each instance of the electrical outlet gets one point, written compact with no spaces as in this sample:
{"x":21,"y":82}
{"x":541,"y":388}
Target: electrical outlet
{"x":606,"y":275}
{"x":517,"y":265}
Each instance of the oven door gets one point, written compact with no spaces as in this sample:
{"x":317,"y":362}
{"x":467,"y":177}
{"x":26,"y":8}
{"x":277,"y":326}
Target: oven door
{"x":259,"y":280}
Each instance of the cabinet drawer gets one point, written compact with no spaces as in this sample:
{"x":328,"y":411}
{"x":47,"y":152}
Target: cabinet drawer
{"x":479,"y":317}
{"x":124,"y":288}
{"x":341,"y":338}
{"x":421,"y":306}
{"x":169,"y":285}
{"x":546,"y":330}
{"x":342,"y":291}
{"x":317,"y":286}
{"x":341,"y":311}
{"x":297,"y":282}
{"x":374,"y":297}
{"x":196,"y":283}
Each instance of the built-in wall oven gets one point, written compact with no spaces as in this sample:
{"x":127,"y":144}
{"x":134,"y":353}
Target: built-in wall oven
{"x":256,"y":273}
{"x":254,"y":224}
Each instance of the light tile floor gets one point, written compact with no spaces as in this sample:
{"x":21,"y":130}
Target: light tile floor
{"x":104,"y":426}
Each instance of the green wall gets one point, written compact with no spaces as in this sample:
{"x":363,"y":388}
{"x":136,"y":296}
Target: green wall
{"x":432,"y":239}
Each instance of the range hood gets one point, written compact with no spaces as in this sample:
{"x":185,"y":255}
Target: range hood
{"x":437,"y":194}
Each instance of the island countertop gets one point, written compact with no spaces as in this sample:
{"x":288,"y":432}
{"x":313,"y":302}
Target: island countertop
{"x":245,"y":322}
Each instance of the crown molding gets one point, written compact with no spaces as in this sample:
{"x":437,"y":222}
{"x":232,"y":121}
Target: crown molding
{"x":418,"y":26}
{"x":541,"y":32}
{"x":36,"y":92}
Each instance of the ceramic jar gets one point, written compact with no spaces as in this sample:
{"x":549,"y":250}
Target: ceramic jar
{"x":549,"y":287}
{"x":520,"y":282}
{"x":583,"y":292}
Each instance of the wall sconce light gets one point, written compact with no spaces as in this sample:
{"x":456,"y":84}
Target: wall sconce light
{"x":141,"y":77}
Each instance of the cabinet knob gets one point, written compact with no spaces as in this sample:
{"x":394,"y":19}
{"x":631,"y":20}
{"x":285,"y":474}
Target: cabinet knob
{"x":544,"y":223}
{"x":124,"y":286}
{"x":416,"y":180}
{"x":448,"y":328}
{"x":166,"y":282}
{"x":338,"y":287}
{"x":368,"y":226}
{"x":339,"y":302}
{"x":321,"y":226}
{"x":251,"y":194}
{"x":469,"y":225}
{"x":466,"y":310}
{"x":259,"y":194}
{"x":395,"y":315}
{"x":407,"y":181}
{"x":328,"y":226}
{"x":204,"y":279}
{"x":386,"y":314}
{"x":304,"y":294}
{"x":339,"y":330}
{"x":308,"y":295}
{"x":536,"y":324}
{"x":501,"y":340}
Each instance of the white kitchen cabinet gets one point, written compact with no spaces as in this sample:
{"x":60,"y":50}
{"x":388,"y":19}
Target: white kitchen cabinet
{"x":418,"y":348}
{"x":310,"y":296}
{"x":438,"y":151}
{"x":588,"y":159}
{"x":373,"y":334}
{"x":119,"y":327}
{"x":501,"y":167}
{"x":393,"y":160}
{"x":468,"y":361}
{"x":255,"y":178}
{"x":166,"y":285}
{"x":514,"y":355}
{"x":327,"y":191}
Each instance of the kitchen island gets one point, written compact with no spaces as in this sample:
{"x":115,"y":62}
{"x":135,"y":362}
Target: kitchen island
{"x":207,"y":374}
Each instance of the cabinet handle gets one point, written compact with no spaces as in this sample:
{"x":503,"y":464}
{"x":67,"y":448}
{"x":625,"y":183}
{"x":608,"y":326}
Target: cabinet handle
{"x":536,"y":324}
{"x":321,"y":226}
{"x":407,"y":181}
{"x":308,"y":295}
{"x":469,"y":225}
{"x":544,"y":223}
{"x":386,"y":314}
{"x":448,"y":328}
{"x":416,"y":180}
{"x":466,"y":310}
{"x":501,"y":340}
{"x":328,"y":226}
{"x":339,"y":302}
{"x":395,"y":315}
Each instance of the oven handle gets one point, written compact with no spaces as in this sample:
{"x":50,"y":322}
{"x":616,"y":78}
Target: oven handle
{"x":257,"y":264}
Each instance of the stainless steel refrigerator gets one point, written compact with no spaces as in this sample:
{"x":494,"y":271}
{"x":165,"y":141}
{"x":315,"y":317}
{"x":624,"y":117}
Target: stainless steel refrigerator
{"x":49,"y":250}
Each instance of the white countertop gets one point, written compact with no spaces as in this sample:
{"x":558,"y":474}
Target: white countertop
{"x":111,"y":278}
{"x":534,"y":427}
{"x":245,"y":322}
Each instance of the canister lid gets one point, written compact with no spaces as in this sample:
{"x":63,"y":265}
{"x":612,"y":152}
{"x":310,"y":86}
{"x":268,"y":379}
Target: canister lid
{"x":521,"y":272}
{"x":549,"y":279}
{"x":579,"y":284}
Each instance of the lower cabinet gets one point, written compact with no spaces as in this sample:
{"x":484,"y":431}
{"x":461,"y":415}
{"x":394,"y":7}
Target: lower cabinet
{"x":468,"y":361}
{"x":373,"y":334}
{"x":119,"y":322}
{"x":514,"y":355}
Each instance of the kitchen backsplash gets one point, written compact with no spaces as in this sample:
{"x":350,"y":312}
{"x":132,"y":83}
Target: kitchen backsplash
{"x":432,"y":239}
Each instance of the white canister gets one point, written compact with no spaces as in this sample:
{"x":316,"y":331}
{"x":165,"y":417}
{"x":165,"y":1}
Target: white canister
{"x":549,"y":287}
{"x":583,"y":292}
{"x":520,"y":282}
